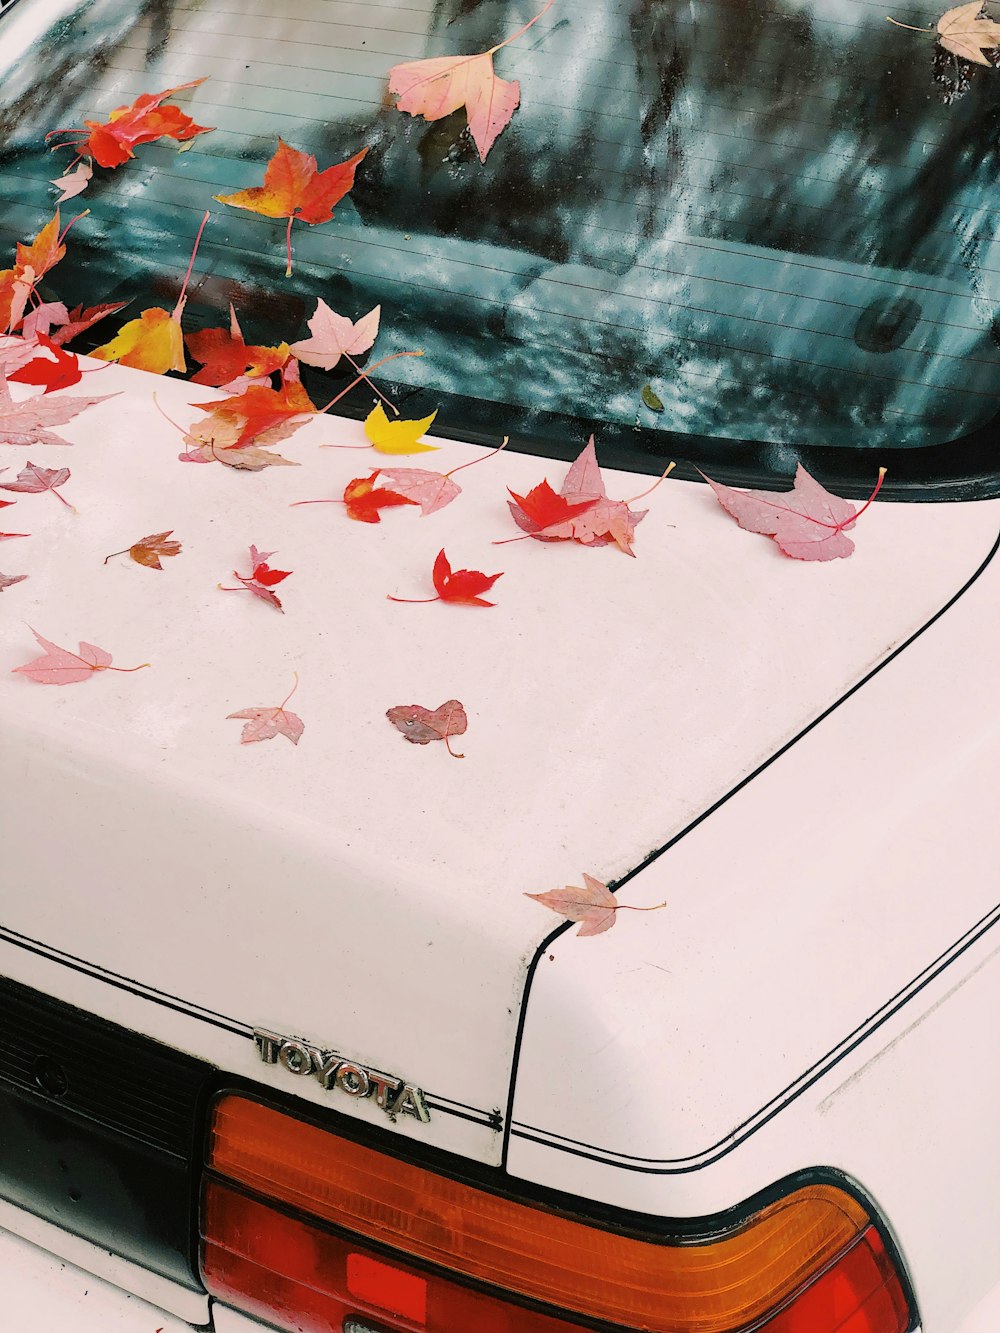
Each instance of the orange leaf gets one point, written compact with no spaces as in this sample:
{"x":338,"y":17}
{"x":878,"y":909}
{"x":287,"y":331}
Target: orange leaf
{"x":148,"y":550}
{"x":32,"y":263}
{"x":257,"y":410}
{"x":224,"y":356}
{"x":111,"y":143}
{"x":295,"y":188}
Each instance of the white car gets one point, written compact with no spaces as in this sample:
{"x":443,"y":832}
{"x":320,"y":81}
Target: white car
{"x":284,"y":1043}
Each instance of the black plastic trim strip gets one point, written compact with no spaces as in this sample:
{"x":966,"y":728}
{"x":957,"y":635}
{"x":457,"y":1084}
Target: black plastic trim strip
{"x":600,"y":1155}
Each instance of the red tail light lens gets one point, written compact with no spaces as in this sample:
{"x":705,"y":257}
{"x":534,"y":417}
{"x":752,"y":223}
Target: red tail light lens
{"x":358,"y":1232}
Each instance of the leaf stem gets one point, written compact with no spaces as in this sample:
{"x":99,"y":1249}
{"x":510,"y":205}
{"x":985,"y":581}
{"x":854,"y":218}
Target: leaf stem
{"x":908,"y":26}
{"x":626,"y":907}
{"x":163,"y":414}
{"x":64,"y":501}
{"x":62,"y":235}
{"x":390,"y":598}
{"x":281,"y":706}
{"x":114,"y":553}
{"x":288,"y":246}
{"x":447,"y":746}
{"x":878,"y":487}
{"x":374,"y":387}
{"x":642,"y":495}
{"x":507,"y":540}
{"x":295,"y":503}
{"x":358,"y":381}
{"x":520,"y":32}
{"x":481,"y":459}
{"x":126,"y":670}
{"x":187,"y":276}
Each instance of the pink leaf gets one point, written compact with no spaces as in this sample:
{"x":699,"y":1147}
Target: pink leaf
{"x":594,"y":905}
{"x":26,"y":422}
{"x":335,"y":336}
{"x":8,"y":580}
{"x":807,"y":522}
{"x":33,"y":480}
{"x":430,"y":490}
{"x":43,"y":317}
{"x":58,"y":666}
{"x":72,"y":183}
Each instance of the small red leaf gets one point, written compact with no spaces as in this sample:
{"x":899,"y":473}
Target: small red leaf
{"x":460,"y":585}
{"x":58,"y":371}
{"x":261,"y":578}
{"x":364,"y":500}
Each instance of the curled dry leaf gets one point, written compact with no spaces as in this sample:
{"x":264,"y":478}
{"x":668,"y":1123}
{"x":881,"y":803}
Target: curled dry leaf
{"x":33,"y":480}
{"x":148,"y":550}
{"x":149,"y":117}
{"x":593,"y":905}
{"x":8,"y":580}
{"x":261,"y":579}
{"x":460,"y":585}
{"x":26,"y":422}
{"x":263,"y":724}
{"x":30,"y":266}
{"x":334,"y":336}
{"x":58,"y":370}
{"x":58,"y":666}
{"x":397,"y":437}
{"x":421,"y":725}
{"x":294,"y":187}
{"x":437,"y":87}
{"x":807,"y":522}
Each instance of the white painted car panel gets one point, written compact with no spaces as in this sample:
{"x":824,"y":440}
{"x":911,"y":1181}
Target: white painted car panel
{"x":368,"y":894}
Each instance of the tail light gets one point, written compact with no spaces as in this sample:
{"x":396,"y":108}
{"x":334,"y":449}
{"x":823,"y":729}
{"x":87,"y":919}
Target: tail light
{"x":314,"y":1232}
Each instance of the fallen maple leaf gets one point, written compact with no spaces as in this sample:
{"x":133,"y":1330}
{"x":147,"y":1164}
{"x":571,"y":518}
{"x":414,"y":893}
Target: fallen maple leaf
{"x":41,"y":319}
{"x":24,"y":423}
{"x":437,"y":87}
{"x":147,"y":118}
{"x":965,"y":31}
{"x":590,"y":517}
{"x":432,"y":490}
{"x":364,"y":500}
{"x":261,"y":578}
{"x":462,"y":585}
{"x":32,"y":262}
{"x":224,"y":355}
{"x":263,"y":724}
{"x":213,"y":440}
{"x":59,"y":370}
{"x":807,"y":522}
{"x":8,"y":580}
{"x":154,"y":341}
{"x":397,"y":437}
{"x":148,"y":550}
{"x":58,"y":666}
{"x":334,"y":336}
{"x":295,"y":188}
{"x":594,"y":905}
{"x":32,"y":480}
{"x":80,"y":319}
{"x":259,"y":411}
{"x":75,"y":180}
{"x":423,"y":725}
{"x":6,"y":536}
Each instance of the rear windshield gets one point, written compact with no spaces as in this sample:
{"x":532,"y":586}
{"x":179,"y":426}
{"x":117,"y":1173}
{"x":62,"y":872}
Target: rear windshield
{"x":719,"y":229}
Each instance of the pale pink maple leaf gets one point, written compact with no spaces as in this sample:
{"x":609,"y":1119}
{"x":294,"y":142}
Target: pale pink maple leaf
{"x":25,"y":422}
{"x":42,"y":318}
{"x":33,"y":480}
{"x":335,"y":336}
{"x":58,"y":666}
{"x":430,"y":490}
{"x":593,"y":905}
{"x":16,"y":351}
{"x":8,"y":580}
{"x":72,"y":183}
{"x":807,"y":522}
{"x":263,"y":724}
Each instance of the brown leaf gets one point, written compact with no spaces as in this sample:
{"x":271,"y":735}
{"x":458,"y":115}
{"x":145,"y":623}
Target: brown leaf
{"x":423,"y":725}
{"x":148,"y":550}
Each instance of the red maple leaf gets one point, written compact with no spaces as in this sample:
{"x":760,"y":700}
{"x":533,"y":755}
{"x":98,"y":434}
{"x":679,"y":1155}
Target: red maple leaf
{"x":364,"y":500}
{"x":462,"y":585}
{"x":543,"y":508}
{"x":422,"y":725}
{"x":33,"y":480}
{"x":258,"y":410}
{"x":225,"y":356}
{"x":80,"y":319}
{"x":807,"y":522}
{"x":261,"y":579}
{"x":294,"y":187}
{"x":58,"y":371}
{"x":111,"y":143}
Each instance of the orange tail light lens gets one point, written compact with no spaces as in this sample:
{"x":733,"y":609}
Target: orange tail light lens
{"x":812,"y":1259}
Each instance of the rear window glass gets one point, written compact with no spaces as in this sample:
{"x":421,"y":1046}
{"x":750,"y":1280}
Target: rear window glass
{"x":779,"y":215}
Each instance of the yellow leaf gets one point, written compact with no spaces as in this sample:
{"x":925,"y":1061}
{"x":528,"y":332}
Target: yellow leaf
{"x":397,"y":437}
{"x":152,"y":342}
